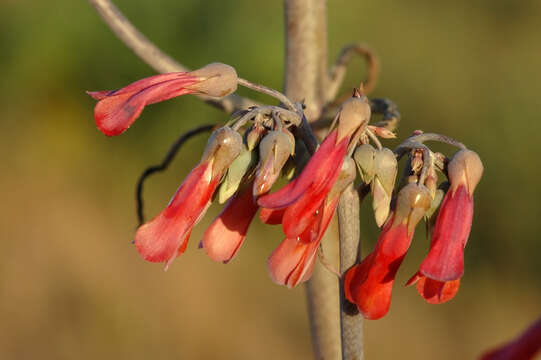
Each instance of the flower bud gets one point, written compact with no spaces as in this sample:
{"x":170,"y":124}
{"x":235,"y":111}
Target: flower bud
{"x":346,"y":177}
{"x":431,"y":182}
{"x":382,"y":132}
{"x":411,"y":205}
{"x":218,"y":80}
{"x":416,"y":162}
{"x":274,"y":150}
{"x":223,"y":146}
{"x":465,"y":168}
{"x":364,"y":158}
{"x":235,"y":173}
{"x":253,"y":136}
{"x":385,"y":169}
{"x":436,"y":201}
{"x":353,"y":114}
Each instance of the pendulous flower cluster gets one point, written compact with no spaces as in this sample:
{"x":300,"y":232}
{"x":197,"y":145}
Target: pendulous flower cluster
{"x":244,"y":159}
{"x":369,"y":284}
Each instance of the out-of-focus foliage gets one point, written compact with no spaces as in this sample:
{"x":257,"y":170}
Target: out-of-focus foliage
{"x":72,"y":286}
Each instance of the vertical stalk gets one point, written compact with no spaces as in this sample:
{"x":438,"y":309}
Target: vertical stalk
{"x":351,"y":322}
{"x":306,"y":54}
{"x":305,"y":79}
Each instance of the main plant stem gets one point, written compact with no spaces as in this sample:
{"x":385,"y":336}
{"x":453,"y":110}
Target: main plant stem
{"x":351,"y":322}
{"x":306,"y":79}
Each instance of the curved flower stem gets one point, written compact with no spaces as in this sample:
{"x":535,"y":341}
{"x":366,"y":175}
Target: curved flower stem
{"x":154,"y":57}
{"x":266,"y":90}
{"x":338,"y":70}
{"x":163,"y":166}
{"x":327,"y":264}
{"x":351,"y":322}
{"x":374,"y":138}
{"x":389,"y":110}
{"x":421,"y":138}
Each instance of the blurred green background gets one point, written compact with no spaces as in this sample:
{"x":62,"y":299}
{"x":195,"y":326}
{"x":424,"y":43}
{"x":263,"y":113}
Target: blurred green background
{"x":72,"y":286}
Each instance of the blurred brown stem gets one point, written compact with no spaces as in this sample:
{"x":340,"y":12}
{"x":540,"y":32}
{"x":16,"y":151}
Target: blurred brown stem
{"x":338,"y":70}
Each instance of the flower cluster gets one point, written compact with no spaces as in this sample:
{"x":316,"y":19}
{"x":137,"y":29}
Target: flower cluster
{"x":243,"y":160}
{"x":369,"y":284}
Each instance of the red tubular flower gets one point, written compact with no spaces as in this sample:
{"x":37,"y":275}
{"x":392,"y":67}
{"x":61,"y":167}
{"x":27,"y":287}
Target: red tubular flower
{"x":292,"y":262}
{"x":434,"y":291}
{"x":166,"y":236}
{"x":226,"y":234}
{"x":305,"y":195}
{"x":274,"y":150}
{"x":524,"y":347}
{"x":116,"y":110}
{"x":369,"y":284}
{"x":445,"y":260}
{"x":271,"y":216}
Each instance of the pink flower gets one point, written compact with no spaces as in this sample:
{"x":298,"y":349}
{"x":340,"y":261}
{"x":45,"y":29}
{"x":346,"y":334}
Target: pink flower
{"x":292,"y":262}
{"x":304,"y":196}
{"x":445,"y":260}
{"x":523,"y":347}
{"x":439,"y":275}
{"x":225,"y":235}
{"x":166,"y":236}
{"x":116,"y":110}
{"x":369,"y":285}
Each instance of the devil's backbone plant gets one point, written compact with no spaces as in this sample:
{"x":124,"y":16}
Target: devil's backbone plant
{"x":243,"y":159}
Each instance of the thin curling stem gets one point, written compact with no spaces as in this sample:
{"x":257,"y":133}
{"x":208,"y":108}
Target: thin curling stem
{"x":163,"y":166}
{"x":268,"y":91}
{"x":338,"y":70}
{"x":326,"y":263}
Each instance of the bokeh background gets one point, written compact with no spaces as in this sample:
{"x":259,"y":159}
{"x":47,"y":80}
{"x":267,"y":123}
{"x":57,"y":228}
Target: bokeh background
{"x":72,"y":286}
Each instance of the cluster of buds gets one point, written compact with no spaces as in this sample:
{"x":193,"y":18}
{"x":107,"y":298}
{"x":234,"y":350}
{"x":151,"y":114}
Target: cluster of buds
{"x":243,"y":160}
{"x":239,"y":164}
{"x":369,"y":284}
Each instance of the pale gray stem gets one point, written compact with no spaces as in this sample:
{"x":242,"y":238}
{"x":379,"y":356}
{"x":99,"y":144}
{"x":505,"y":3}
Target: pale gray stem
{"x":306,"y":54}
{"x":351,"y":322}
{"x":154,"y":57}
{"x":268,"y":91}
{"x":305,"y":79}
{"x":421,"y":138}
